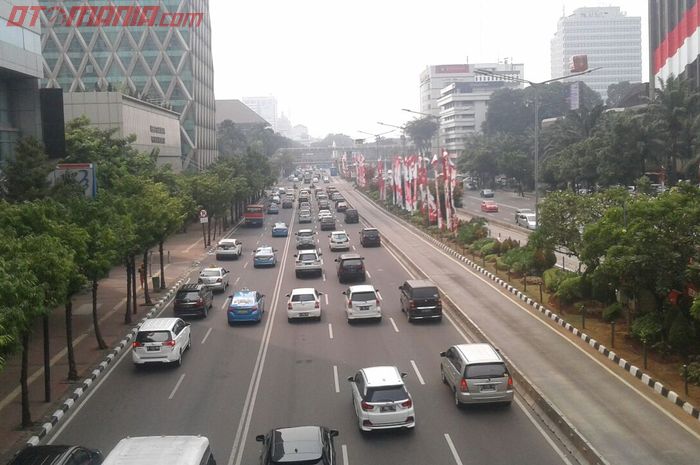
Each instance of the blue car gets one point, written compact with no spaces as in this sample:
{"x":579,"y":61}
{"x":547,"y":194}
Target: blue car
{"x":245,"y":305}
{"x":280,"y":230}
{"x":264,"y":256}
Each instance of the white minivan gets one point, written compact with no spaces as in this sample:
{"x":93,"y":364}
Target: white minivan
{"x":161,"y":340}
{"x":362,"y":302}
{"x":162,"y":450}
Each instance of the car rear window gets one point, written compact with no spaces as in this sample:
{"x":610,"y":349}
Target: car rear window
{"x":485,"y":370}
{"x":210,"y":273}
{"x":363,"y":296}
{"x":386,"y":394}
{"x":152,"y":336}
{"x":426,"y":293}
{"x":306,"y":233}
{"x":187,"y":295}
{"x":352,"y":262}
{"x":370,"y":233}
{"x":307,"y":256}
{"x":303,"y":298}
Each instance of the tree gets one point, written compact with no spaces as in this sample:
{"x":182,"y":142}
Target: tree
{"x":421,"y":131}
{"x":616,"y":92}
{"x":26,"y":177}
{"x":230,"y":139}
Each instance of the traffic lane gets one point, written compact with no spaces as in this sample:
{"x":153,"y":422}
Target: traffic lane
{"x":602,"y":407}
{"x":369,"y":344}
{"x":165,"y":390}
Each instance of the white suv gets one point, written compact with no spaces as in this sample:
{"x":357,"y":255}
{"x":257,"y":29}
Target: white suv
{"x":161,"y":340}
{"x":306,"y":238}
{"x":308,"y":262}
{"x":304,"y":303}
{"x":339,"y":241}
{"x":362,"y":302}
{"x":229,"y":248}
{"x":381,"y":400}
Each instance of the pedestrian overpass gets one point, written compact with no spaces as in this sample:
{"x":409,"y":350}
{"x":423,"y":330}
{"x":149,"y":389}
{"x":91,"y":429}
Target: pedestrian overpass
{"x":323,"y":157}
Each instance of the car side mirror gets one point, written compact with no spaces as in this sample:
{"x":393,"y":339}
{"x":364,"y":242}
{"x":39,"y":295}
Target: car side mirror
{"x":295,"y":255}
{"x":351,"y":379}
{"x":443,"y":354}
{"x":287,"y":295}
{"x":403,"y":375}
{"x":188,"y":324}
{"x":400,"y":288}
{"x":260,"y":438}
{"x":344,"y":293}
{"x":333,"y":433}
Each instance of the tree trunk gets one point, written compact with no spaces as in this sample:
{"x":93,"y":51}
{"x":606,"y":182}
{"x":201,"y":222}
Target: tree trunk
{"x":134,"y":303}
{"x":95,"y":323}
{"x":146,"y":294}
{"x":47,"y":361}
{"x":26,"y":413}
{"x":162,"y":266}
{"x":209,"y":232}
{"x":129,"y":291}
{"x":72,"y":370}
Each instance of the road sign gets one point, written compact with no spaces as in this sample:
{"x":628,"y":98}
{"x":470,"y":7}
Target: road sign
{"x":203,"y":216}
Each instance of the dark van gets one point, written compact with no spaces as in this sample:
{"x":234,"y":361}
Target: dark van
{"x":420,"y":299}
{"x":351,"y":267}
{"x":351,"y":216}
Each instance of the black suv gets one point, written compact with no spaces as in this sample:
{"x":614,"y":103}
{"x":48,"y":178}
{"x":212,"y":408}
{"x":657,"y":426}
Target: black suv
{"x":351,"y":267}
{"x":420,"y":299}
{"x":351,"y":216}
{"x":301,"y":445}
{"x":193,"y":300}
{"x":370,"y":236}
{"x":57,"y":455}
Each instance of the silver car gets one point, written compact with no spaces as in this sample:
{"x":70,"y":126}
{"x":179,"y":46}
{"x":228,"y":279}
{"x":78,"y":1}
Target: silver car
{"x":306,"y":239}
{"x":476,"y":373}
{"x":308,"y":262}
{"x":305,"y":216}
{"x":381,"y":399}
{"x":215,"y":278}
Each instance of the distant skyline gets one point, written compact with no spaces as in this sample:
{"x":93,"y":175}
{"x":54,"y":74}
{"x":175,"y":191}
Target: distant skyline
{"x":341,"y":67}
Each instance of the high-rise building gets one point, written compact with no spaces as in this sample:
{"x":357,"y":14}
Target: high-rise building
{"x":20,"y":70}
{"x":157,"y":50}
{"x":674,"y":40}
{"x":265,"y":107}
{"x":611,"y":40}
{"x":434,"y":78}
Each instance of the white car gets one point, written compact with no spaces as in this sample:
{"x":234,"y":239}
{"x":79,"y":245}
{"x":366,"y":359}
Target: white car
{"x":304,"y":302}
{"x":308,"y":261}
{"x":305,"y":216}
{"x":161,"y":340}
{"x":215,"y":278}
{"x":362,"y":302}
{"x":324,"y":212}
{"x":339,"y":240}
{"x":381,"y":399}
{"x":229,"y":248}
{"x":527,"y":220}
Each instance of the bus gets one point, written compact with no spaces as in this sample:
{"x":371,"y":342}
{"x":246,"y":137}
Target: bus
{"x":253,"y":215}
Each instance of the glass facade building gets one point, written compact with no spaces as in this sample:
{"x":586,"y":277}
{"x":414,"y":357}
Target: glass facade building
{"x":156,"y":50}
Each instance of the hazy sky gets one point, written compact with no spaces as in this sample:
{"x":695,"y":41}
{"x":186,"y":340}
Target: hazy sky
{"x":342,"y":66}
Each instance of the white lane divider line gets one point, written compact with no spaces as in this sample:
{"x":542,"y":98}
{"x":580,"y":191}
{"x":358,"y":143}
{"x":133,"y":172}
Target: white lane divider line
{"x":379,"y":295}
{"x":335,"y":378}
{"x":324,"y":276}
{"x":236,"y":281}
{"x":326,"y":296}
{"x":179,"y":381}
{"x":415,"y":368}
{"x":245,"y":265}
{"x":393,"y":323}
{"x":223,"y":306}
{"x":368,"y":275}
{"x":344,"y":448}
{"x":206,"y":335}
{"x":353,"y":248}
{"x":458,"y":461}
{"x":330,"y":330}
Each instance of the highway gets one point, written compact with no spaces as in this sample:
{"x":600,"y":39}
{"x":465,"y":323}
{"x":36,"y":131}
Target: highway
{"x":240,"y":381}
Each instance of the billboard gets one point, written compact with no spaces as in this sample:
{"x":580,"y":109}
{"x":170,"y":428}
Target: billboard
{"x":82,"y":173}
{"x":450,"y":69}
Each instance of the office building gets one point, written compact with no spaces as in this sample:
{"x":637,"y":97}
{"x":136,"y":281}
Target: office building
{"x":166,"y":61}
{"x":265,"y":107}
{"x":155,"y":127}
{"x":611,"y":40}
{"x":674,"y":40}
{"x":462,"y":105}
{"x":434,"y":78}
{"x":237,"y":112}
{"x":20,"y":71}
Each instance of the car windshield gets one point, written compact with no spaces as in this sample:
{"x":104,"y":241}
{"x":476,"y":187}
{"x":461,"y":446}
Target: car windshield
{"x":386,"y":394}
{"x":152,"y":336}
{"x":303,"y":298}
{"x":307,"y":256}
{"x":187,"y":295}
{"x":208,"y":273}
{"x":363,"y":296}
{"x":485,"y":370}
{"x":426,"y":293}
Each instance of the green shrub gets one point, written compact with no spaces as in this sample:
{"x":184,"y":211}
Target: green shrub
{"x":542,"y":260}
{"x":489,"y":248}
{"x":693,"y":372}
{"x":600,"y":288}
{"x":491,"y":258}
{"x":680,"y":334}
{"x":509,"y":244}
{"x":472,"y":231}
{"x":553,"y":277}
{"x":500,"y":265}
{"x":647,"y":328}
{"x":570,"y":289}
{"x":612,"y":312}
{"x":477,"y":245}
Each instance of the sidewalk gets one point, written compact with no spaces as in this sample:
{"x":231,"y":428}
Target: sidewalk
{"x":184,"y":249}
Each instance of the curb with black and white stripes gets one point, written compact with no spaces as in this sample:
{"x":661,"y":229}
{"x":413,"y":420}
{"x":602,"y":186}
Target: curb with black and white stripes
{"x":621,"y":362}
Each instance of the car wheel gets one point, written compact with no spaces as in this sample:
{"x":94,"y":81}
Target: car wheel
{"x":442,"y":376}
{"x":379,"y":319}
{"x":178,"y":362}
{"x":297,"y":274}
{"x":458,"y":404}
{"x":205,"y":312}
{"x":189,"y":342}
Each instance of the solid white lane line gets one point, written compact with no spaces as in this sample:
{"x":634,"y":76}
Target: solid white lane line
{"x":393,"y":323}
{"x":353,"y":248}
{"x":206,"y":335}
{"x":223,"y":306}
{"x":415,"y":368}
{"x":245,"y":265}
{"x":344,"y":448}
{"x":368,"y":275}
{"x":179,"y":381}
{"x":335,"y":378}
{"x":326,"y":296}
{"x":379,"y":295}
{"x":453,"y":450}
{"x":324,"y":276}
{"x":564,"y":458}
{"x":236,"y":281}
{"x":330,"y":330}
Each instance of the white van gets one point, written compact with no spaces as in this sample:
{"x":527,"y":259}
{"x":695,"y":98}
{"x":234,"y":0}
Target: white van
{"x":161,"y":450}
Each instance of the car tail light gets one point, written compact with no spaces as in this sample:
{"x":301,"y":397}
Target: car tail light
{"x":136,"y":344}
{"x":289,"y":306}
{"x":349,"y":303}
{"x":317,"y":304}
{"x":407,"y":403}
{"x":200,"y":301}
{"x":377,"y":301}
{"x":413,"y":304}
{"x":366,"y":407}
{"x":170,"y":343}
{"x":510,"y":382}
{"x":463,"y":386}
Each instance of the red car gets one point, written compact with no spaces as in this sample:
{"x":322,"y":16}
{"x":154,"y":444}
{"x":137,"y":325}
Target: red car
{"x":489,"y":206}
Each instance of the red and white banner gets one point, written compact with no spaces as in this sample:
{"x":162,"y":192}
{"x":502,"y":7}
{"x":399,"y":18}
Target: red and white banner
{"x":679,"y":47}
{"x":380,"y":180}
{"x":438,"y":211}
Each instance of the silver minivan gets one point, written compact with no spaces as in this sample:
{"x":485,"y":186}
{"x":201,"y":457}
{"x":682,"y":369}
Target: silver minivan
{"x":476,"y":373}
{"x":162,"y":450}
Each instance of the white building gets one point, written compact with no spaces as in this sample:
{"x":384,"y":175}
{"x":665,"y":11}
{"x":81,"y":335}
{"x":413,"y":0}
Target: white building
{"x":462,"y":104}
{"x":265,"y":107}
{"x":434,"y":78}
{"x":155,"y":127}
{"x":611,"y":39}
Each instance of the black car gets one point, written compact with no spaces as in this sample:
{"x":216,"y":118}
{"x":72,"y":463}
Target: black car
{"x":57,"y":455}
{"x":370,"y":237}
{"x":351,"y":267}
{"x":300,"y":445}
{"x":351,"y":216}
{"x":420,"y":299}
{"x":193,"y":300}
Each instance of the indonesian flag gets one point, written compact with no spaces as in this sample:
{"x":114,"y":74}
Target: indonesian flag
{"x":380,"y":179}
{"x":397,"y":180}
{"x":407,"y":182}
{"x":438,"y":209}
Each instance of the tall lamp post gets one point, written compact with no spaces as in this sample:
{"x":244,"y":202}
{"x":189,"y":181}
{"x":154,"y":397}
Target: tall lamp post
{"x":377,"y":137}
{"x":403,"y":136}
{"x":535,"y":86}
